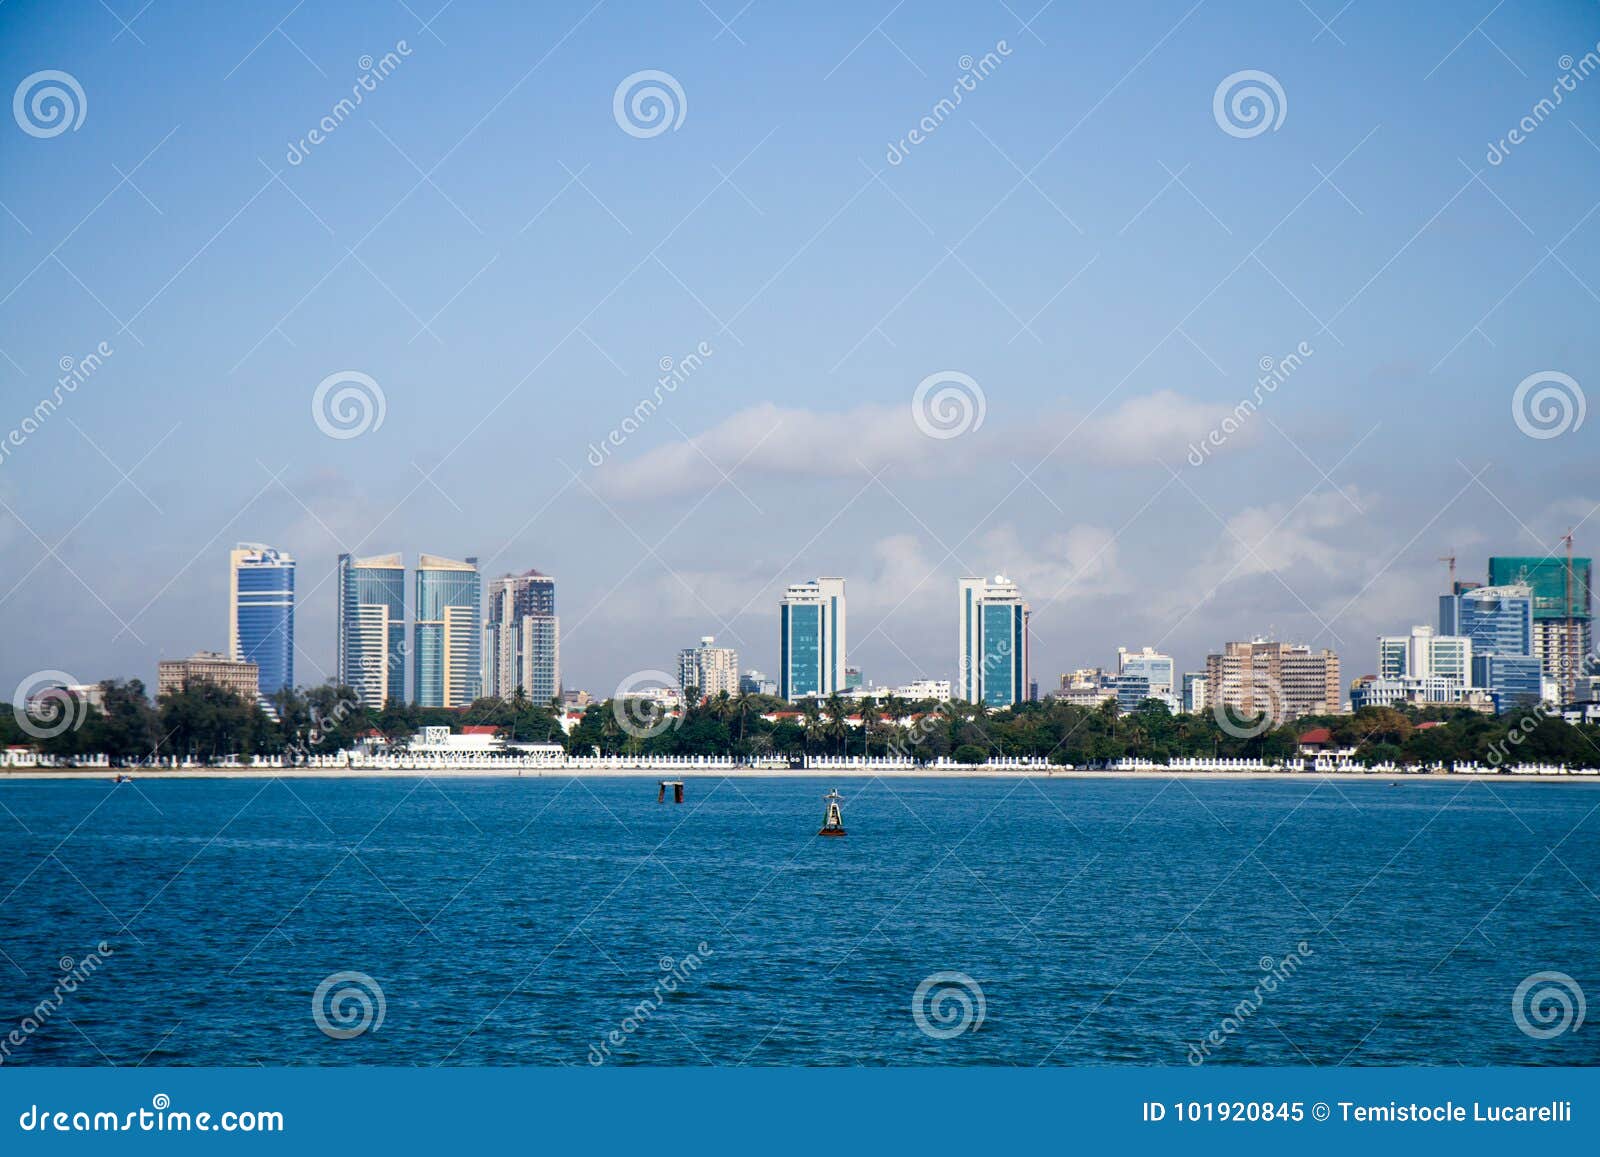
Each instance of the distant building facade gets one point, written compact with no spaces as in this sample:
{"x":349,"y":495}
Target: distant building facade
{"x":447,"y":633}
{"x":713,"y":669}
{"x":812,"y":639}
{"x":1283,"y":680}
{"x":261,"y":613}
{"x":1562,"y":592}
{"x":1194,"y":692}
{"x":992,"y":661}
{"x":370,"y":653}
{"x":522,"y":638}
{"x":242,"y":678}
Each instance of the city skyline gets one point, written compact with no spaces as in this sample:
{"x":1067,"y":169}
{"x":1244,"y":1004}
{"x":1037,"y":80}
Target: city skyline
{"x":1288,"y":309}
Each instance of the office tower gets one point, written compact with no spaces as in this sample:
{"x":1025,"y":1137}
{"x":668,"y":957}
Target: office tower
{"x":1194,"y":692}
{"x":1498,"y":620}
{"x":243,"y":679}
{"x":1425,"y":654}
{"x":992,"y":661}
{"x":1562,"y":611}
{"x":1158,"y":669}
{"x":446,"y":632}
{"x":852,"y":678}
{"x":712,"y":669}
{"x":754,"y":682}
{"x":261,"y":613}
{"x":811,"y":639}
{"x":522,"y":638}
{"x":1282,"y":680}
{"x":371,"y":643}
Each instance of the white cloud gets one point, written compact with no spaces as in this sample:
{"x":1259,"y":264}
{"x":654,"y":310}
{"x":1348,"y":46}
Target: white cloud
{"x":775,"y":441}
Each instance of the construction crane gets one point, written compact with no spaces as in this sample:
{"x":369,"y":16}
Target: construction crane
{"x":1451,"y":559}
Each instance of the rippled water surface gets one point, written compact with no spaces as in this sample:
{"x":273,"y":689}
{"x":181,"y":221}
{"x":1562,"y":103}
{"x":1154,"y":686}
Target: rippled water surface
{"x":524,"y":921}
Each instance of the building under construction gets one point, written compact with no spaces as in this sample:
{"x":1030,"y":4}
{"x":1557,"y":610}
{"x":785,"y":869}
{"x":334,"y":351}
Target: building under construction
{"x":1563,"y":636}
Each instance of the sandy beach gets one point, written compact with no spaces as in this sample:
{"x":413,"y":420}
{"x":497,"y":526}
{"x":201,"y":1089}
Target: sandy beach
{"x":1589,"y":776}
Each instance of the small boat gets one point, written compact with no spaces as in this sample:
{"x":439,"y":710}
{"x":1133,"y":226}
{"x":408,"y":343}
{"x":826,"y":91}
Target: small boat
{"x":120,"y":778}
{"x":833,"y":822}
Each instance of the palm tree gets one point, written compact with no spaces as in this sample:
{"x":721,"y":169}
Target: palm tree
{"x":836,"y":724}
{"x":812,"y":725}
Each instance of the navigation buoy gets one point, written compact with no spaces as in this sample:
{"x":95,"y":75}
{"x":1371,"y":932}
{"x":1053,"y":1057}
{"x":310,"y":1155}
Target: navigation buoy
{"x":833,"y":822}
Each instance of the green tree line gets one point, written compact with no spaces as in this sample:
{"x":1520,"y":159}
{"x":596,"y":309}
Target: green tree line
{"x":204,"y":722}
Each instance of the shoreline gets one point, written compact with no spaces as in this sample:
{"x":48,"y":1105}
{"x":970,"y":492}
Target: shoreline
{"x":138,"y":775}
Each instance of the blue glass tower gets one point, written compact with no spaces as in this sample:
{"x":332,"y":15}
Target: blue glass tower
{"x":992,"y":660}
{"x":447,"y":633}
{"x":372,"y":628}
{"x":811,"y":643}
{"x":1499,"y":621}
{"x":261,"y":613}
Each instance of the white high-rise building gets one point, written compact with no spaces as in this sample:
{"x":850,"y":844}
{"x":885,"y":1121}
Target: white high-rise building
{"x":1426,"y":654}
{"x":992,"y":655}
{"x":712,"y":669}
{"x":1194,"y":692}
{"x":811,"y":639}
{"x":1150,"y":664}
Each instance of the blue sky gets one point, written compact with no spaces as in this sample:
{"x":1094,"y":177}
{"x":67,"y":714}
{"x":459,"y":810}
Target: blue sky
{"x":1080,"y":237}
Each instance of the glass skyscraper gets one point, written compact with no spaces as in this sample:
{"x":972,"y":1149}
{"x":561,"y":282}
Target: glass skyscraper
{"x":811,"y":624}
{"x":447,"y":632}
{"x":261,"y":613}
{"x":993,"y":656}
{"x":1499,"y":621}
{"x":371,"y":646}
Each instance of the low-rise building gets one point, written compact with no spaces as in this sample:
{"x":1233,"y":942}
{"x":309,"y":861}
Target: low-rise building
{"x":240,"y":677}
